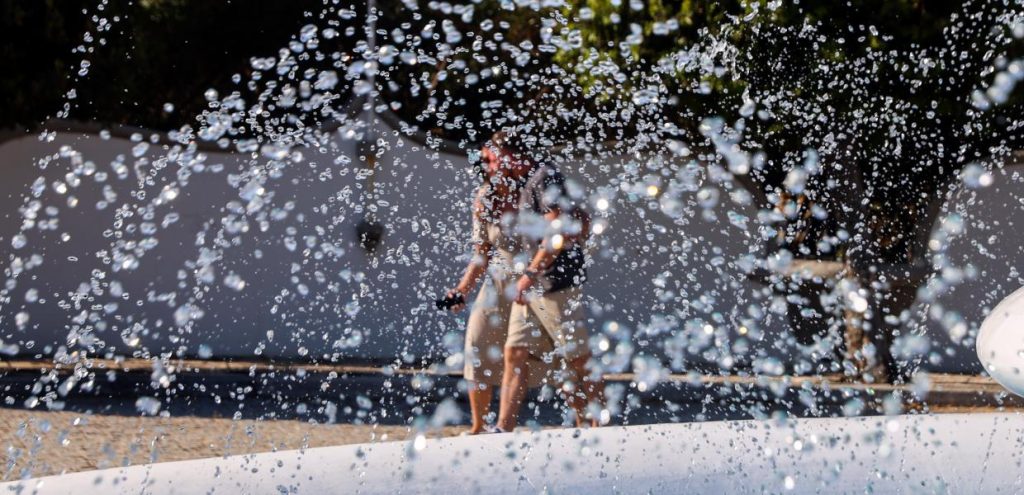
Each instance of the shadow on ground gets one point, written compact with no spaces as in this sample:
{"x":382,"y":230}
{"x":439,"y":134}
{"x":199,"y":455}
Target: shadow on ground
{"x":406,"y":399}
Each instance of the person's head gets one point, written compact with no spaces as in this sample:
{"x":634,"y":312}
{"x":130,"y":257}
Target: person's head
{"x":505,"y":156}
{"x":503,"y":164}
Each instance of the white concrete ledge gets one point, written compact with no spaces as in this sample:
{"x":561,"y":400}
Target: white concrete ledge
{"x":975,"y":453}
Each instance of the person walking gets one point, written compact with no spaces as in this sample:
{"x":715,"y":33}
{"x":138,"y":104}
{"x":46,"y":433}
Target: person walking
{"x":496,"y":249}
{"x":547,"y":319}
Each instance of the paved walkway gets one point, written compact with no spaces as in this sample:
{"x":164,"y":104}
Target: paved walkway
{"x":41,"y":443}
{"x":104,"y":430}
{"x":937,"y":382}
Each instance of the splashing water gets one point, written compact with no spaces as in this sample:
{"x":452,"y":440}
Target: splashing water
{"x":773,"y":196}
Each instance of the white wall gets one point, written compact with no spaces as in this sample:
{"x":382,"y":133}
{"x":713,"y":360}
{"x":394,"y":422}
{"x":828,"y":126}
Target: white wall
{"x":416,"y":189}
{"x":984,"y":261}
{"x":422,"y":198}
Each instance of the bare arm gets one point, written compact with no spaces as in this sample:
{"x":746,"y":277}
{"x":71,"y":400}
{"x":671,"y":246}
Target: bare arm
{"x":477,"y":266}
{"x":475,"y":269}
{"x":550,"y":248}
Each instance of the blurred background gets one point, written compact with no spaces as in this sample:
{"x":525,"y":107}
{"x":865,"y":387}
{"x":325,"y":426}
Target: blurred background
{"x":246,"y":209}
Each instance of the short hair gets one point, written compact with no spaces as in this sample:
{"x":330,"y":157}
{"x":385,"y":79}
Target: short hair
{"x":509,"y":140}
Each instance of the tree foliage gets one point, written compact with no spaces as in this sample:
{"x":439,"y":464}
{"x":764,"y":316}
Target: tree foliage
{"x":807,"y":98}
{"x":889,"y":89}
{"x":152,"y":52}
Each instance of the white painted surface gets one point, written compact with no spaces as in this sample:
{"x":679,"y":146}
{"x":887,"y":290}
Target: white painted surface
{"x":418,"y":188}
{"x":422,"y":199}
{"x":963,"y":454}
{"x":983,"y":262}
{"x":1001,"y":342}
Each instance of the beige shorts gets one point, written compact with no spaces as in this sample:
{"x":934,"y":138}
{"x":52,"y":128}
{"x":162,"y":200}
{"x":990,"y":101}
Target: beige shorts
{"x":551,"y":323}
{"x":486,"y":334}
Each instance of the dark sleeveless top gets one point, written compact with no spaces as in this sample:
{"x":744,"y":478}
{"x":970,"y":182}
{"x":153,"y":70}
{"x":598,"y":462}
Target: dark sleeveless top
{"x":544,"y":191}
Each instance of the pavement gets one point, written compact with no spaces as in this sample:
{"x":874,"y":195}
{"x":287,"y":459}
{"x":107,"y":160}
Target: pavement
{"x":135,"y":412}
{"x":41,"y":443}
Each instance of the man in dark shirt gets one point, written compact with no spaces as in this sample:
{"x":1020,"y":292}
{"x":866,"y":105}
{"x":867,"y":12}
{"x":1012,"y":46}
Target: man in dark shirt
{"x":548,"y":317}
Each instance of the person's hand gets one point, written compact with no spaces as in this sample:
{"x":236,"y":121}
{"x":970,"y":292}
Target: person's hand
{"x":522,"y":287}
{"x":452,"y":293}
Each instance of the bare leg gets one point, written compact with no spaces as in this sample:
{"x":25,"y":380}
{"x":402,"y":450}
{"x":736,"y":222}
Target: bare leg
{"x":513,"y":386}
{"x":584,"y":391}
{"x":480,"y":395}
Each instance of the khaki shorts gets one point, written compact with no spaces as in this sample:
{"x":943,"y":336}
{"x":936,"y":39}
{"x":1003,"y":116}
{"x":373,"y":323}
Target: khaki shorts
{"x":486,"y":334}
{"x":551,"y":323}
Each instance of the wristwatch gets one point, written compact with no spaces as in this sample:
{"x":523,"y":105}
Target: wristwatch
{"x":532,"y":273}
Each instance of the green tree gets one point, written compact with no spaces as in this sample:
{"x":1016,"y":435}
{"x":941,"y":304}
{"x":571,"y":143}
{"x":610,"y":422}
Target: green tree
{"x":140,"y":55}
{"x":884,"y":93}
